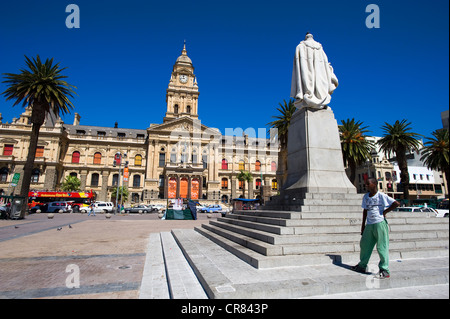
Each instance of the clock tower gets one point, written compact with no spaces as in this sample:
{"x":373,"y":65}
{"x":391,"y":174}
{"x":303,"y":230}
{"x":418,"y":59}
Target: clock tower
{"x":182,"y":92}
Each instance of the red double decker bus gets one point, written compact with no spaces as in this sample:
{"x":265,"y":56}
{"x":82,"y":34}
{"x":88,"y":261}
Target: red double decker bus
{"x":77,"y":199}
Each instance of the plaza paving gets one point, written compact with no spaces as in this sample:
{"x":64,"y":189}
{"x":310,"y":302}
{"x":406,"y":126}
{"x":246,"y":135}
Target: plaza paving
{"x":110,"y":254}
{"x":37,"y":260}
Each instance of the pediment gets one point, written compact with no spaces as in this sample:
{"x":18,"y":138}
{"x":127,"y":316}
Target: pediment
{"x":181,"y":126}
{"x":8,"y":141}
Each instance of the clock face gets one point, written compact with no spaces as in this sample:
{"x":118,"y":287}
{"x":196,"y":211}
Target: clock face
{"x":183,"y":78}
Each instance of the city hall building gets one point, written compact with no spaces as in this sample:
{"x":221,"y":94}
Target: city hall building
{"x":179,"y":158}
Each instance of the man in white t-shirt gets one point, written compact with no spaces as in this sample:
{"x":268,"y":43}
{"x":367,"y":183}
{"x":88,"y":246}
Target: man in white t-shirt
{"x":375,"y":206}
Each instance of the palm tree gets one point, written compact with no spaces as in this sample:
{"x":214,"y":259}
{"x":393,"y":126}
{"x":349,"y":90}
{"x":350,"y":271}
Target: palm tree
{"x":123,"y":194}
{"x":355,"y":147}
{"x":399,"y":140}
{"x":42,"y":88}
{"x":435,"y":153}
{"x":71,"y":184}
{"x":281,"y":123}
{"x":244,"y":177}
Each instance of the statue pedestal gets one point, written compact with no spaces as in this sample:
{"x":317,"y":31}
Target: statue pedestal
{"x":315,"y":163}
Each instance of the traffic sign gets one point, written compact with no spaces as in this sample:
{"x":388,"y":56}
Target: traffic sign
{"x":15,"y":179}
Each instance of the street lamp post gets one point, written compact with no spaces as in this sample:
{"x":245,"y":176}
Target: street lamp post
{"x":119,"y":157}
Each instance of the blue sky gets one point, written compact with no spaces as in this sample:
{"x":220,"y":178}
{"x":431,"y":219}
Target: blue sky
{"x":122,"y":56}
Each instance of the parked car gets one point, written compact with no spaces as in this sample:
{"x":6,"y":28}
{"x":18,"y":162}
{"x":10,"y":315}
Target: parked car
{"x":42,"y":208}
{"x":99,"y":207}
{"x":138,"y":208}
{"x":159,"y":208}
{"x":4,"y":211}
{"x":441,"y":212}
{"x":201,"y":208}
{"x":213,"y":209}
{"x":106,"y":207}
{"x":436,"y":212}
{"x":408,"y":209}
{"x":53,"y":207}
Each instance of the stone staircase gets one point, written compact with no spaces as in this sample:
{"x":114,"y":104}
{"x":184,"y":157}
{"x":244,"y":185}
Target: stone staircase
{"x":320,"y":229}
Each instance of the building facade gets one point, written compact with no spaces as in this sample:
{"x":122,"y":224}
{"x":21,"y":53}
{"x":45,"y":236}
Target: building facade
{"x":423,"y":182}
{"x":180,"y":157}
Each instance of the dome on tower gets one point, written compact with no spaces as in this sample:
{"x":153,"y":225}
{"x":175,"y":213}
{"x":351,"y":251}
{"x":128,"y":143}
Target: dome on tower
{"x":183,"y":58}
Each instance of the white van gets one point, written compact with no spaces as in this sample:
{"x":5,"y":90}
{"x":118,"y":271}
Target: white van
{"x":100,"y":207}
{"x":103,"y":207}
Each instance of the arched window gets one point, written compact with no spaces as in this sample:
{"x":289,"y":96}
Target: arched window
{"x":273,"y":166}
{"x":173,"y":156}
{"x":94,"y":179}
{"x":224,"y":164}
{"x":224,"y":183}
{"x":97,"y":158}
{"x":8,"y":149}
{"x":205,"y":161}
{"x":39,"y":151}
{"x":257,"y":166}
{"x":188,"y":109}
{"x":4,"y":174}
{"x":136,"y":180}
{"x":194,"y":156}
{"x":175,"y":109}
{"x":274,"y":184}
{"x":162,"y":159}
{"x":138,"y":160}
{"x":184,"y":155}
{"x":115,"y":179}
{"x":241,"y":165}
{"x":258,"y":183}
{"x":76,"y":157}
{"x":35,"y":175}
{"x":135,"y":197}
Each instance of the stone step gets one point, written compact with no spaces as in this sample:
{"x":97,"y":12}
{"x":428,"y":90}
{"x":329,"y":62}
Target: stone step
{"x":181,"y":280}
{"x":270,"y":213}
{"x":316,"y":254}
{"x":334,"y":214}
{"x":264,"y":236}
{"x":270,"y":228}
{"x":305,"y":219}
{"x":322,"y":208}
{"x":167,"y":274}
{"x":268,"y":233}
{"x":256,"y":245}
{"x":223,"y":275}
{"x":328,"y":202}
{"x":417,"y":227}
{"x":266,"y":220}
{"x":315,"y":198}
{"x":319,"y":243}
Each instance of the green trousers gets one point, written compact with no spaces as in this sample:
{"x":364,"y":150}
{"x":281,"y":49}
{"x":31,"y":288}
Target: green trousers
{"x":375,"y":234}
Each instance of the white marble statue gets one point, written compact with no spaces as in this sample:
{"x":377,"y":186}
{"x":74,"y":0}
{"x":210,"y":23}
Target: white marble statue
{"x":313,"y":79}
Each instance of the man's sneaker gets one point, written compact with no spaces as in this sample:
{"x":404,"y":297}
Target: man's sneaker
{"x":382,"y":274}
{"x":359,"y":269}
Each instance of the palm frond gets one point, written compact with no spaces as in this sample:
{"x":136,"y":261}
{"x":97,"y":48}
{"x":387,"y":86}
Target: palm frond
{"x":41,"y":83}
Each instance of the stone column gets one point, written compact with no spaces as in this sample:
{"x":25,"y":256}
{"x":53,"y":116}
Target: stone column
{"x":50,"y":178}
{"x":83,"y":177}
{"x":250,"y":189}
{"x":233,"y":186}
{"x":104,"y":190}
